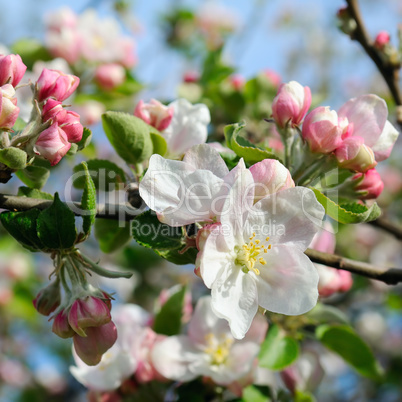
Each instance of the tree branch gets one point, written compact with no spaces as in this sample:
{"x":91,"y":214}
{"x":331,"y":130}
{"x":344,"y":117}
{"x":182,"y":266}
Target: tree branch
{"x":391,"y":276}
{"x":388,"y":226}
{"x":389,"y":72}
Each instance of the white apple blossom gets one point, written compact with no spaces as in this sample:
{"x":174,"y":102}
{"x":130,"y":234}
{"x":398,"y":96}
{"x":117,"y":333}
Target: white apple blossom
{"x":189,"y":126}
{"x":209,"y":349}
{"x":255,"y":256}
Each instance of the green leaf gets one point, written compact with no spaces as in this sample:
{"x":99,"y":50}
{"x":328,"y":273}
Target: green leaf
{"x":30,"y":50}
{"x":256,"y":393}
{"x":22,"y":226}
{"x":278,"y":350}
{"x":111,"y":235}
{"x":323,"y":313}
{"x":106,"y":175}
{"x":244,"y":148}
{"x":176,"y":256}
{"x":344,"y":341}
{"x":168,"y":319}
{"x":214,"y":71}
{"x":18,"y":126}
{"x":14,"y":158}
{"x":348,"y":213}
{"x":159,"y":144}
{"x":34,"y":193}
{"x":56,"y":226}
{"x":129,"y":136}
{"x":88,"y":201}
{"x":34,"y":176}
{"x":304,"y":396}
{"x":149,"y":232}
{"x":85,"y":140}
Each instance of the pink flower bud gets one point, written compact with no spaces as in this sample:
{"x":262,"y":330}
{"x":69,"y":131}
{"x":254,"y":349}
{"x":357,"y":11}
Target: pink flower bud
{"x":88,"y":312}
{"x":54,"y":110}
{"x":12,"y":69}
{"x":273,"y":77}
{"x":56,"y":84}
{"x":154,"y":113}
{"x":382,"y":39}
{"x":321,"y":130}
{"x":90,"y":112}
{"x":61,"y":327}
{"x":8,"y":107}
{"x":48,"y":299}
{"x":291,"y":104}
{"x":270,"y":176}
{"x":52,"y":144}
{"x":71,"y":126}
{"x":353,"y":154}
{"x":96,"y":342}
{"x":370,"y":187}
{"x":191,"y":76}
{"x":237,"y":81}
{"x":110,"y":76}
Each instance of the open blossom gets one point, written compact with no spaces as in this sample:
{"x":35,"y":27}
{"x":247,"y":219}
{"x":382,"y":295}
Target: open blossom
{"x":12,"y":69}
{"x":291,"y":104}
{"x":189,"y":127}
{"x":255,"y":255}
{"x":331,"y":280}
{"x":209,"y":349}
{"x":154,"y":113}
{"x":56,"y":84}
{"x":8,"y":107}
{"x":369,"y":137}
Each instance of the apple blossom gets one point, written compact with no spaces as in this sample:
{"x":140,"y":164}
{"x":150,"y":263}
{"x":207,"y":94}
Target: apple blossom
{"x":369,"y":186}
{"x":155,"y":114}
{"x":52,"y":144}
{"x":12,"y":69}
{"x":209,"y":349}
{"x":110,"y":76}
{"x":56,"y":84}
{"x":237,"y":81}
{"x":291,"y":104}
{"x":254,"y":257}
{"x":369,"y":137}
{"x":61,"y":326}
{"x":321,"y":130}
{"x":48,"y":299}
{"x":8,"y":107}
{"x":272,"y":76}
{"x":187,"y":128}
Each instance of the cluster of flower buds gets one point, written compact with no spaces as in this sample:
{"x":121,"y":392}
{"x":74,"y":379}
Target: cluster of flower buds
{"x":387,"y":51}
{"x":12,"y":70}
{"x":52,"y":88}
{"x":357,"y":136}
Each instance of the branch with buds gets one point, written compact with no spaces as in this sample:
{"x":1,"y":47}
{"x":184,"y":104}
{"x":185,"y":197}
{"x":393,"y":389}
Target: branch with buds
{"x":127,"y":212}
{"x":389,"y":69}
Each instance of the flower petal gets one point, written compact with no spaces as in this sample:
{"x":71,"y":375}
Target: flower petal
{"x":287,"y":284}
{"x":383,"y":147}
{"x":368,"y":113}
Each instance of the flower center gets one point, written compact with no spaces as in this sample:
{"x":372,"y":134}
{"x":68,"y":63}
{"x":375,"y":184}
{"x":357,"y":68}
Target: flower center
{"x":249,"y":254}
{"x":218,"y":349}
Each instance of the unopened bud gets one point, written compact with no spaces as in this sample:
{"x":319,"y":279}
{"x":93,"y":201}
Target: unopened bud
{"x":369,"y":185}
{"x":48,"y":299}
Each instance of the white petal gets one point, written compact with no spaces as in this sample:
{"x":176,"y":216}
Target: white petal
{"x":291,"y":216}
{"x":207,"y":158}
{"x":234,"y":298}
{"x":173,"y":356}
{"x":287,"y":284}
{"x":385,"y":143}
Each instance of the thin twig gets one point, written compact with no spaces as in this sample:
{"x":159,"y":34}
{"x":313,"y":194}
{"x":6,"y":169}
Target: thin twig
{"x":389,"y":72}
{"x":388,"y":226}
{"x":391,"y":276}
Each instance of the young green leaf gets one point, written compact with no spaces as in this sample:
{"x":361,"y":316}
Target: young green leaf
{"x":347,"y":213}
{"x":85,"y":140}
{"x":106,"y":175}
{"x":244,"y":148}
{"x":344,"y":341}
{"x":256,"y":393}
{"x":14,"y":158}
{"x":129,"y":136}
{"x":168,"y":319}
{"x":34,"y":193}
{"x":56,"y":226}
{"x":159,"y":144}
{"x":34,"y":176}
{"x":278,"y":350}
{"x":22,"y":226}
{"x":88,"y":201}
